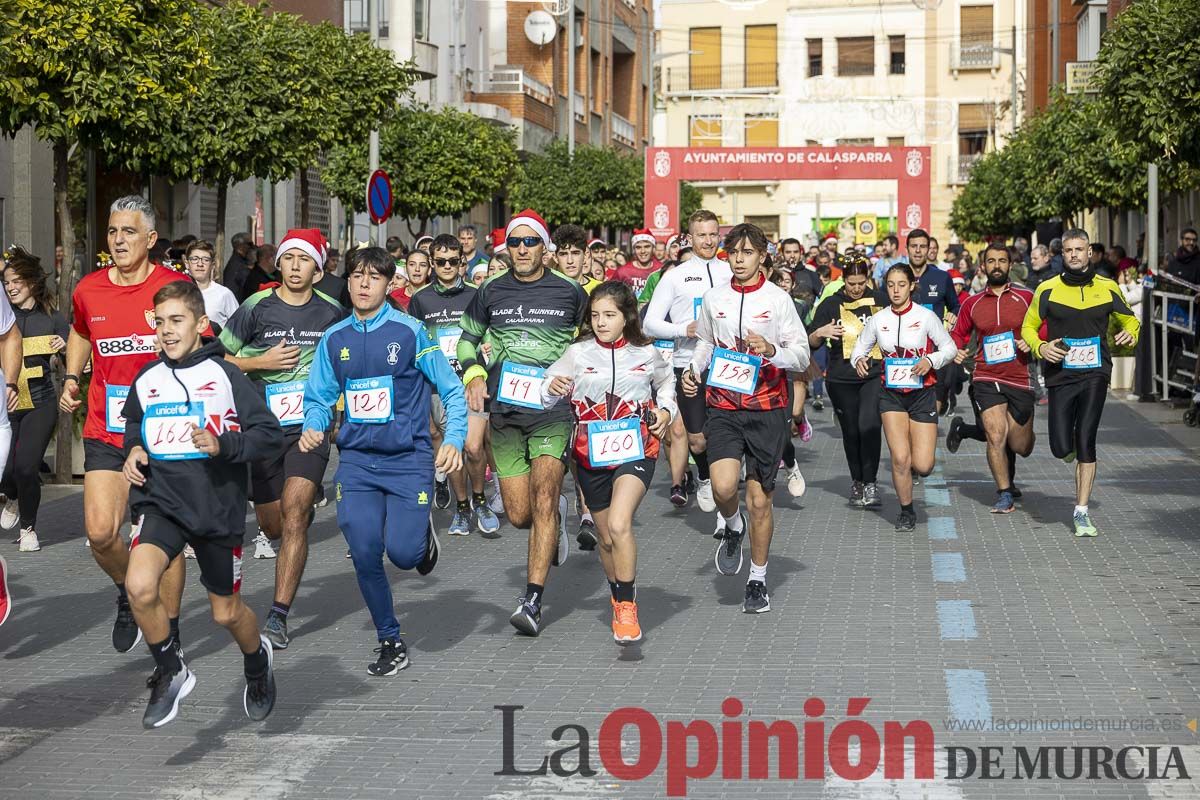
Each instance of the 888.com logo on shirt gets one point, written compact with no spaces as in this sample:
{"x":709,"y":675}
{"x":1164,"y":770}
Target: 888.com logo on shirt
{"x":126,"y":345}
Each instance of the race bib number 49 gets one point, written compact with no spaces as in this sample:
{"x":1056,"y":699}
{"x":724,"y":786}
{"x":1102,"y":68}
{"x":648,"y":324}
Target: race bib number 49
{"x":615,"y":442}
{"x":999,"y":348}
{"x":521,"y":385}
{"x":167,"y":430}
{"x":286,"y":401}
{"x":737,"y":372}
{"x":898,"y":373}
{"x":369,"y":400}
{"x":1084,"y":353}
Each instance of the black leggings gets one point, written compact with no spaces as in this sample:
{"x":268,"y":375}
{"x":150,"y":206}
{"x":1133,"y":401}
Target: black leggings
{"x":31,"y":432}
{"x":1075,"y":410}
{"x":857,"y":408}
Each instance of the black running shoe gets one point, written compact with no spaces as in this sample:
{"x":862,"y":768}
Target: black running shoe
{"x":167,"y":689}
{"x":587,"y":535}
{"x":393,"y":657}
{"x":818,"y":405}
{"x":259,"y":697}
{"x":689,"y":483}
{"x":1015,"y":492}
{"x":679,"y":496}
{"x":906,"y":520}
{"x":954,"y":435}
{"x":125,"y":634}
{"x":528,"y":617}
{"x":757,"y":600}
{"x":431,"y":551}
{"x":275,"y":630}
{"x":728,"y":558}
{"x":441,"y":494}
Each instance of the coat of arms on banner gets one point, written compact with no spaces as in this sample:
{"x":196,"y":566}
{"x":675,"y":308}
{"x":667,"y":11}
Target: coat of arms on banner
{"x":914,"y":164}
{"x":662,"y":216}
{"x":912,"y":215}
{"x":662,"y":163}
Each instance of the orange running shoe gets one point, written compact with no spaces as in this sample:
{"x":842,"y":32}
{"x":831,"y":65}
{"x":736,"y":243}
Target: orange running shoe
{"x":626,"y":629}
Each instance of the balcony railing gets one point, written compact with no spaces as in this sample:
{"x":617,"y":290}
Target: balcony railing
{"x":510,"y":80}
{"x":623,"y":130}
{"x":960,"y":166}
{"x":974,"y":55}
{"x":722,"y":77}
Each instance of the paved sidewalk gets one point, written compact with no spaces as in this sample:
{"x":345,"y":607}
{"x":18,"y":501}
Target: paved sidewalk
{"x":972,"y":617}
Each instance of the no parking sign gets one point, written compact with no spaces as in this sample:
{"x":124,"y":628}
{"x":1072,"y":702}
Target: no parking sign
{"x":379,"y":196}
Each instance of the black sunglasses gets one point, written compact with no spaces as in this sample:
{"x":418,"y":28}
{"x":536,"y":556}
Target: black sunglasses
{"x":529,"y":241}
{"x":454,"y":262}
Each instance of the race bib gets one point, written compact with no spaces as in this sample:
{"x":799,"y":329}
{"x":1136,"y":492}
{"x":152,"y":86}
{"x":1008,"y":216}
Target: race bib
{"x":737,"y":372}
{"x":521,"y":385}
{"x":898,"y":373}
{"x":369,"y":400}
{"x":1084,"y":353}
{"x":666,"y":348}
{"x":448,"y":342}
{"x":615,"y":442}
{"x":286,"y":401}
{"x":167,"y":430}
{"x":114,"y":407}
{"x":999,"y":348}
{"x":696,"y":303}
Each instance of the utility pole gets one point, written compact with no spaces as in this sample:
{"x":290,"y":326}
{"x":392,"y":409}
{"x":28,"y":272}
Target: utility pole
{"x":571,"y":79}
{"x":373,"y":146}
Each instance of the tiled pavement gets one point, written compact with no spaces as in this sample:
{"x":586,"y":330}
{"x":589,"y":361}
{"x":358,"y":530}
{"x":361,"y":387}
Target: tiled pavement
{"x":974,"y":615}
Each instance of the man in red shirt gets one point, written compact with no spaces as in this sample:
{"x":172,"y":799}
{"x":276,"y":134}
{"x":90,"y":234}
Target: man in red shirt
{"x":635,"y":273}
{"x":114,"y":324}
{"x":1000,"y":389}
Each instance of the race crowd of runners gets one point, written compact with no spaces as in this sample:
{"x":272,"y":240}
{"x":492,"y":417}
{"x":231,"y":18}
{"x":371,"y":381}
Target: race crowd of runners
{"x":446,"y":376}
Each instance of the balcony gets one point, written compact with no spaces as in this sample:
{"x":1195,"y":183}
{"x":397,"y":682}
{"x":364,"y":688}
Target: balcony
{"x":718,"y":79}
{"x":425,"y":59}
{"x":959,"y":168}
{"x":623,"y":131}
{"x":510,"y":80}
{"x":973,"y":55}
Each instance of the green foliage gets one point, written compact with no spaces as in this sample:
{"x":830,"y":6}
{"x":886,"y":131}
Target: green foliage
{"x":600,"y":187}
{"x":442,"y":163}
{"x":691,"y":200}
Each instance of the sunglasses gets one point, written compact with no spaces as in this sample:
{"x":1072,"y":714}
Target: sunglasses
{"x":529,"y":241}
{"x":454,"y":262}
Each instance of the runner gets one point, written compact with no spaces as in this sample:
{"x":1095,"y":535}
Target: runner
{"x":746,"y":356}
{"x":416,"y":277}
{"x":839,"y":320}
{"x":570,"y":255}
{"x":622,"y":393}
{"x":903,"y":332}
{"x":441,"y":308}
{"x":1078,"y":308}
{"x":935,"y":291}
{"x":530,"y":315}
{"x":797,"y":392}
{"x":1000,"y":382}
{"x":113,"y":324}
{"x":200,"y":421}
{"x":273,"y":338}
{"x":219,"y":302}
{"x":384,"y":362}
{"x":635,"y":273}
{"x":43,"y":334}
{"x":467,"y":240}
{"x":678,"y":296}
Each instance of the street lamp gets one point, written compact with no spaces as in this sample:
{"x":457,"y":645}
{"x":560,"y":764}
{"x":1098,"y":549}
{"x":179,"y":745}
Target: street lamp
{"x":654,"y":59}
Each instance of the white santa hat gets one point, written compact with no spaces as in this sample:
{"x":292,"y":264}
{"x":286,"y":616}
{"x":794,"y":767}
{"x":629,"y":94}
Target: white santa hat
{"x":644,"y":235}
{"x":309,"y":241}
{"x":532,"y":219}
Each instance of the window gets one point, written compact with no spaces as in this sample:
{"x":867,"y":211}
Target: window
{"x":767,"y":224}
{"x":815,"y":51}
{"x":762,"y":130}
{"x":856,"y":56}
{"x":356,"y":11}
{"x":704,"y":63}
{"x":704,"y":131}
{"x":975,"y":37}
{"x":895,"y":141}
{"x":761,"y":59}
{"x":896,"y":50}
{"x":421,"y":20}
{"x":974,"y":121}
{"x":861,"y":142}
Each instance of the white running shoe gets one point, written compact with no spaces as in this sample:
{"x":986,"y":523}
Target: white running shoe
{"x":188,"y":552}
{"x":796,"y":484}
{"x":262,"y":546}
{"x":10,"y":516}
{"x":704,"y":497}
{"x":29,"y":541}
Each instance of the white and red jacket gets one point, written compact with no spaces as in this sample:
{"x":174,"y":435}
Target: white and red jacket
{"x":912,"y":332}
{"x":727,"y":314}
{"x":610,"y":382}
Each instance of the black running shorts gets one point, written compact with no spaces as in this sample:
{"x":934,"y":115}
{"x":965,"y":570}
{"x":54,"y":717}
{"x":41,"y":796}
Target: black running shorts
{"x":597,"y":484}
{"x":759,"y":436}
{"x":1020,"y":402}
{"x":919,"y":404}
{"x":220,"y":560}
{"x":267,"y":477}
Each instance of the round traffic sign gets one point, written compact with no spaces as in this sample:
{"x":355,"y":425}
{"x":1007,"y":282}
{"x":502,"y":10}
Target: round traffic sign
{"x":379,"y":196}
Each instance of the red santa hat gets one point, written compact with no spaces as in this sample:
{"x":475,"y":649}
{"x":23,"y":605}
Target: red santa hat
{"x":309,"y":241}
{"x":498,"y":243}
{"x":957,"y":277}
{"x":829,"y":236}
{"x":593,"y":242}
{"x":532,"y":219}
{"x":644,"y":235}
{"x":673,"y":240}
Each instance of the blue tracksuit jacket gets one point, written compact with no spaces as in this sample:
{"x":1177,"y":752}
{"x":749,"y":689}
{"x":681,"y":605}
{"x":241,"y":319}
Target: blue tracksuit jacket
{"x":389,"y":345}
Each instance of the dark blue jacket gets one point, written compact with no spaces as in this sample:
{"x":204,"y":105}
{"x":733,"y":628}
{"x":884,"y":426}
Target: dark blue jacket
{"x":391,"y":346}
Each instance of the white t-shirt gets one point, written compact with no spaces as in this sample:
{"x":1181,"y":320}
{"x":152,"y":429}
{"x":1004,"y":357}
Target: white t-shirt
{"x":219,"y":303}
